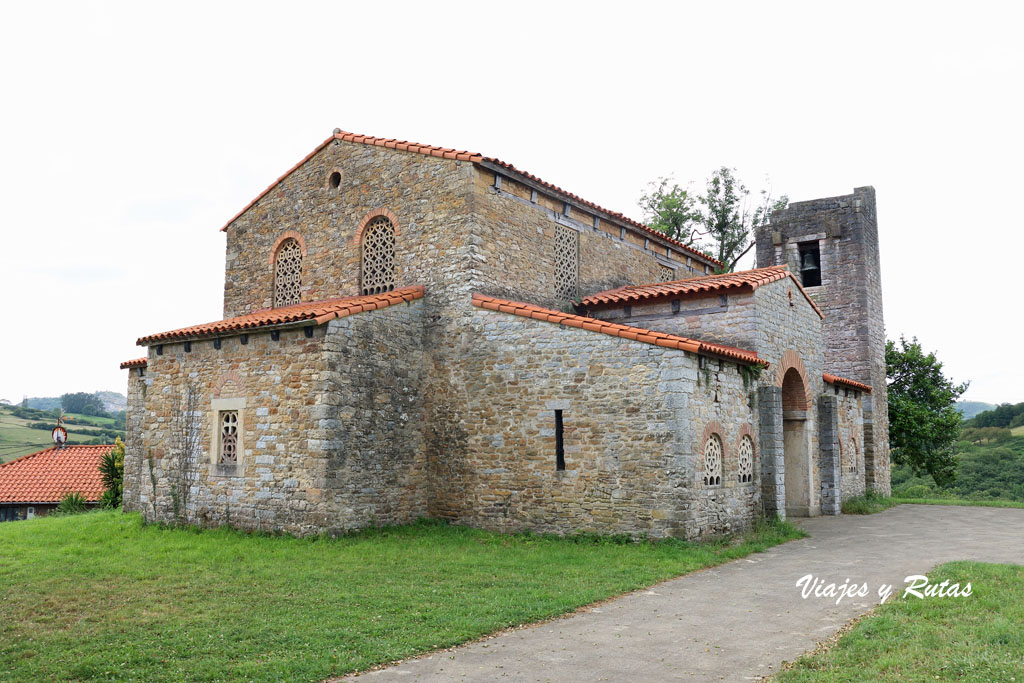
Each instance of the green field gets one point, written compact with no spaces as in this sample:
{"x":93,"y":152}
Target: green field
{"x":975,"y":638}
{"x":102,"y":596}
{"x":1018,"y":431}
{"x":18,"y":439}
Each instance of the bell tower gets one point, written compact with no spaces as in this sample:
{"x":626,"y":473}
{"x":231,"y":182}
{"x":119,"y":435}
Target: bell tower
{"x":832,"y":245}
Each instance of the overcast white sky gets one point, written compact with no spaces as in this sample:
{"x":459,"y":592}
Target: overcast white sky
{"x":131,"y":133}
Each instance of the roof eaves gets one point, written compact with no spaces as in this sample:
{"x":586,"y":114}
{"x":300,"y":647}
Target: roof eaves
{"x":618,"y":330}
{"x":853,"y":384}
{"x":300,"y":315}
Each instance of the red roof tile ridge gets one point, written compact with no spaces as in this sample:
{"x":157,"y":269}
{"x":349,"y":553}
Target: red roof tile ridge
{"x":836,"y":379}
{"x":753,"y":279}
{"x":47,"y":475}
{"x":462,"y":155}
{"x":617,"y":330}
{"x":134,"y":363}
{"x":319,"y":312}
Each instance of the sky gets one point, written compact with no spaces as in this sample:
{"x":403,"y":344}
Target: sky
{"x":131,"y":132}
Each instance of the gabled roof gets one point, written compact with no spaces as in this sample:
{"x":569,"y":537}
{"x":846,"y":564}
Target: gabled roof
{"x":317,"y":312}
{"x":639,"y":334}
{"x":134,"y":363}
{"x":836,"y":379}
{"x":472,"y":157}
{"x":744,"y":280}
{"x":47,"y":476}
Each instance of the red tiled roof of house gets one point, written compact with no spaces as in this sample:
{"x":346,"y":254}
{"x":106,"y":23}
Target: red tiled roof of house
{"x":47,"y":476}
{"x":835,"y":379}
{"x":670,"y":341}
{"x":747,"y":280}
{"x":317,"y":312}
{"x":134,"y":363}
{"x":473,"y":157}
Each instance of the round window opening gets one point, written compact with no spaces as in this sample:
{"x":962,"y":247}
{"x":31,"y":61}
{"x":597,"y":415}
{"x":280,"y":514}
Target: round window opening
{"x":334,"y":182}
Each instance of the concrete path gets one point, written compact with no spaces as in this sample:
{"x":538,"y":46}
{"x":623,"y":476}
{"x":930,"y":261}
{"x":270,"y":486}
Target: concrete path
{"x":738,"y":621}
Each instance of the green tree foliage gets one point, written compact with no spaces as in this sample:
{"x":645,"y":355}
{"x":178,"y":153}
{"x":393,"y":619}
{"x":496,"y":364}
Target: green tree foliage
{"x":923,"y":420}
{"x":81,"y":402}
{"x":1003,"y":415}
{"x":671,"y":210}
{"x":719,"y":222}
{"x":112,"y":471}
{"x":978,"y":435}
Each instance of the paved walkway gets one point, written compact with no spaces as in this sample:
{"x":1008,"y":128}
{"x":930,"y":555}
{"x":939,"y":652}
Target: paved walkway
{"x":738,"y":621}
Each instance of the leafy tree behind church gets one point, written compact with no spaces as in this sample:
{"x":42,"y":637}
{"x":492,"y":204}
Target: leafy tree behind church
{"x":924,"y":423}
{"x":83,"y":403}
{"x":720,"y":221}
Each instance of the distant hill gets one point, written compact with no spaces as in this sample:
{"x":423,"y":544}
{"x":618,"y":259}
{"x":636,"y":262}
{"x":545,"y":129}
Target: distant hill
{"x":48,"y":403}
{"x":113,"y":402}
{"x":969,"y":409}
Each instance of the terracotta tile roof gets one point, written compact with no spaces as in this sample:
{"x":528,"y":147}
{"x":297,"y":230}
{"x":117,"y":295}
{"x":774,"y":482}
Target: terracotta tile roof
{"x":473,"y":157}
{"x":835,"y":379}
{"x":746,"y":280}
{"x":317,"y":312}
{"x":670,"y":341}
{"x":46,"y":476}
{"x":134,"y":363}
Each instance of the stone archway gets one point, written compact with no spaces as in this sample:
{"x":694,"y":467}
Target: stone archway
{"x":796,"y":452}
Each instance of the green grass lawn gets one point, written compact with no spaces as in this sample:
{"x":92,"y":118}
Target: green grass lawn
{"x":1018,"y":431}
{"x":976,"y":638}
{"x":18,"y":439}
{"x":872,"y":502}
{"x":102,"y":596}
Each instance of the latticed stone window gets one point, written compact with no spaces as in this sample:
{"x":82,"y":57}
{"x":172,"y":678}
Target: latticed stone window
{"x":746,"y":460}
{"x":378,"y":274}
{"x":854,"y":465}
{"x":228,"y":437}
{"x":713,"y":461}
{"x":288,"y":273}
{"x":667,"y":274}
{"x":567,"y":263}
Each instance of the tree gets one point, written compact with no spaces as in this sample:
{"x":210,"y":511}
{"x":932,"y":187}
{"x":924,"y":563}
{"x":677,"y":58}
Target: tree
{"x":82,"y":403}
{"x":672,"y":211}
{"x":720,"y":221}
{"x":923,"y":420}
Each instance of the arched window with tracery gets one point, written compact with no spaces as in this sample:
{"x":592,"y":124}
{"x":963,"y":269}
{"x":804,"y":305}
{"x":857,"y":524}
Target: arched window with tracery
{"x":745,"y":460}
{"x":288,"y":273}
{"x":713,"y":461}
{"x":378,"y":274}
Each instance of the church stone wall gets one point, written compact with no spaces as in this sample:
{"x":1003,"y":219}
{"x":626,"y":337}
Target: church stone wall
{"x":135,"y":418}
{"x":775,"y":320}
{"x":515,"y":247}
{"x":846,"y":231}
{"x":330,"y":428}
{"x":430,"y":200}
{"x":851,"y":441}
{"x":632,"y":413}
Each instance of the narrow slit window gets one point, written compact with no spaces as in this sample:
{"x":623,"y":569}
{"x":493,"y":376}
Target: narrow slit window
{"x":559,"y":442}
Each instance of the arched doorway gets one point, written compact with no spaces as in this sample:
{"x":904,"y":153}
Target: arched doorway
{"x":796,"y":452}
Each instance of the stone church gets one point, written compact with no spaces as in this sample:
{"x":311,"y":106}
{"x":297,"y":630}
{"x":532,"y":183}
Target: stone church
{"x":414,"y":331}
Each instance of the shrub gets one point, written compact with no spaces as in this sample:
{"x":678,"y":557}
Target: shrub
{"x":71,"y":504}
{"x":112,"y":471}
